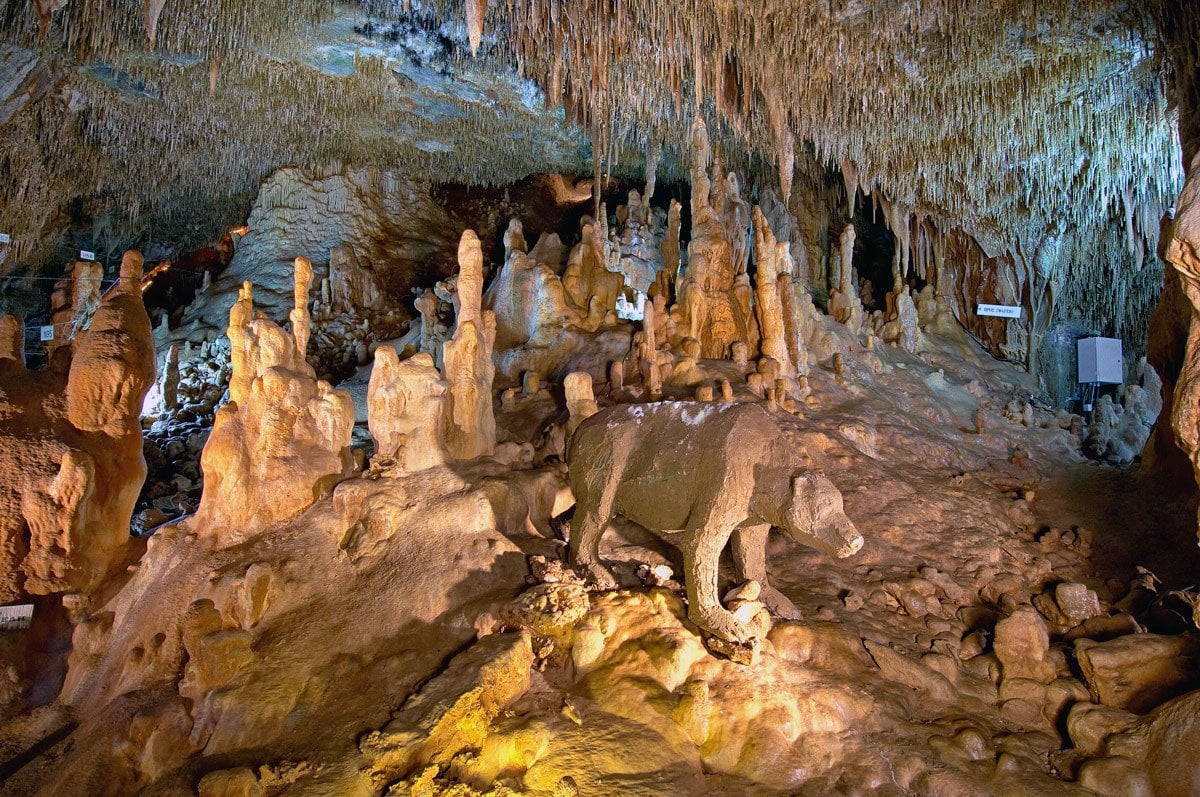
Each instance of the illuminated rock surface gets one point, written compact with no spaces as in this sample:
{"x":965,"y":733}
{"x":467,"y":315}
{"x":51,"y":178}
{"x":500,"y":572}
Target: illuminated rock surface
{"x":572,"y":400}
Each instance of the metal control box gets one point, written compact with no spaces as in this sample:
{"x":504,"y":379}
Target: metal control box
{"x":1100,"y":361}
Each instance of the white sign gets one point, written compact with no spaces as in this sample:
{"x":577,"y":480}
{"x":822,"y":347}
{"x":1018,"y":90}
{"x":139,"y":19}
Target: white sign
{"x":999,"y":310}
{"x":86,"y":255}
{"x":47,"y":333}
{"x":5,"y":238}
{"x":14,"y":618}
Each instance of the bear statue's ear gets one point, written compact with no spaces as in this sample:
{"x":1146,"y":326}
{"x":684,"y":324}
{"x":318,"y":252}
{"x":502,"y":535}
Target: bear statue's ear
{"x":805,"y":480}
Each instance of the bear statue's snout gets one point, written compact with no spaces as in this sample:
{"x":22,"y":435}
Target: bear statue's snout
{"x":839,"y":537}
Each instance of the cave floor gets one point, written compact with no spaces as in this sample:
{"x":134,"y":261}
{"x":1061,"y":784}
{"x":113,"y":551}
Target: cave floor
{"x":351,"y":618}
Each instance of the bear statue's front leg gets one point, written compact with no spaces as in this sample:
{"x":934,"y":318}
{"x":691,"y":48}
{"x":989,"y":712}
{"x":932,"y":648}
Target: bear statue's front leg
{"x":583,"y":542}
{"x":701,"y":555}
{"x":750,"y":557}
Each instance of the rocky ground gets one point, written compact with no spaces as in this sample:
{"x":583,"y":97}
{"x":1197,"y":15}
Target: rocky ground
{"x":418,"y":634}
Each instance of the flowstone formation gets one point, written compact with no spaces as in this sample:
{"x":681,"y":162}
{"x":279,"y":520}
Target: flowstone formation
{"x":71,"y":441}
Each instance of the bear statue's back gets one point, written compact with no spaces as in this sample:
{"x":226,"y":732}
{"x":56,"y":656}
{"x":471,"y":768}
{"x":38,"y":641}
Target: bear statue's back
{"x":670,"y":457}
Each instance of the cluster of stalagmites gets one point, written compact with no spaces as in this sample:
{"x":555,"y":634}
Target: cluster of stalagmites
{"x":351,"y":315}
{"x":71,"y":459}
{"x":730,"y":321}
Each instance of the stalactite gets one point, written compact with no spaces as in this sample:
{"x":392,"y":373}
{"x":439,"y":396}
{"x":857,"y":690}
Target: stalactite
{"x":476,"y":10}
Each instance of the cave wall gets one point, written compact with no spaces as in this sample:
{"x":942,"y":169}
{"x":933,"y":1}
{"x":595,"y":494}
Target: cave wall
{"x":1174,"y":335}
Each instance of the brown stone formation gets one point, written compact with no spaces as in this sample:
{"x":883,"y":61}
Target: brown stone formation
{"x":406,"y":405}
{"x":713,"y":297}
{"x":768,"y":293}
{"x":1183,"y":253}
{"x":71,"y":447}
{"x":591,"y":288}
{"x":470,"y":420}
{"x":352,"y":284}
{"x":284,"y":437}
{"x":75,"y":298}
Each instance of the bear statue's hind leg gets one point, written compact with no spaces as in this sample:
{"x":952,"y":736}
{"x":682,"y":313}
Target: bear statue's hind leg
{"x":592,"y":515}
{"x":701,"y":555}
{"x":750,"y":557}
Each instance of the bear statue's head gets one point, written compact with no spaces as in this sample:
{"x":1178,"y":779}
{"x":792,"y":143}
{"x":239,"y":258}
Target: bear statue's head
{"x":815,"y":516}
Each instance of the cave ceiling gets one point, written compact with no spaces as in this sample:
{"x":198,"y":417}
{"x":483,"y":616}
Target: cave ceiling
{"x":1015,"y":120}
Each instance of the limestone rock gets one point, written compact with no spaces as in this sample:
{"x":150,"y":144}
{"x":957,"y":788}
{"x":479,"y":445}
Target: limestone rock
{"x":387,"y":220}
{"x":1022,"y":643}
{"x":529,"y":302}
{"x":581,"y":401}
{"x":1077,"y":603}
{"x":470,"y":423}
{"x":452,"y":712}
{"x":352,"y":283}
{"x":713,"y":301}
{"x":71,"y":459}
{"x":406,"y":403}
{"x":1140,"y":671}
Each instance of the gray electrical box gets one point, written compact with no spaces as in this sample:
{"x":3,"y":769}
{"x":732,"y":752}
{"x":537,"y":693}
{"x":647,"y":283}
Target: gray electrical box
{"x":1100,"y":361}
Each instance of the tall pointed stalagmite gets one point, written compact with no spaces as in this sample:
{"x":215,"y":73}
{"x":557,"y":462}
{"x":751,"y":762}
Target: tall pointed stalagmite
{"x":467,"y":361}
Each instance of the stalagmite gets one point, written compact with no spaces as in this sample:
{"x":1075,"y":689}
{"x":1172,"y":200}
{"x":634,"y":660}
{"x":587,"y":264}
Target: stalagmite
{"x":514,"y":239}
{"x":284,"y":436}
{"x":665,"y":282}
{"x":73,"y":302}
{"x":12,"y":339}
{"x":168,"y":385}
{"x":651,"y":374}
{"x":844,"y":303}
{"x":71,"y":461}
{"x":406,"y":403}
{"x":300,"y":316}
{"x":769,"y":306}
{"x":467,"y":361}
{"x":581,"y":401}
{"x":589,"y":284}
{"x":426,"y":306}
{"x":528,"y":301}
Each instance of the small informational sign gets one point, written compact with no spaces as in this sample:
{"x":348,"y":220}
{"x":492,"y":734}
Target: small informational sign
{"x":86,"y":255}
{"x":5,"y":238}
{"x":47,"y":333}
{"x":17,"y":617}
{"x":999,"y":310}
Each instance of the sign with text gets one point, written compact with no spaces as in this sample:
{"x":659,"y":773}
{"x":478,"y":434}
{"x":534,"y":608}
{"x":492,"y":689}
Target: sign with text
{"x":47,"y":333}
{"x":86,"y":255}
{"x":5,"y":238}
{"x":14,"y":618}
{"x":999,"y":310}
